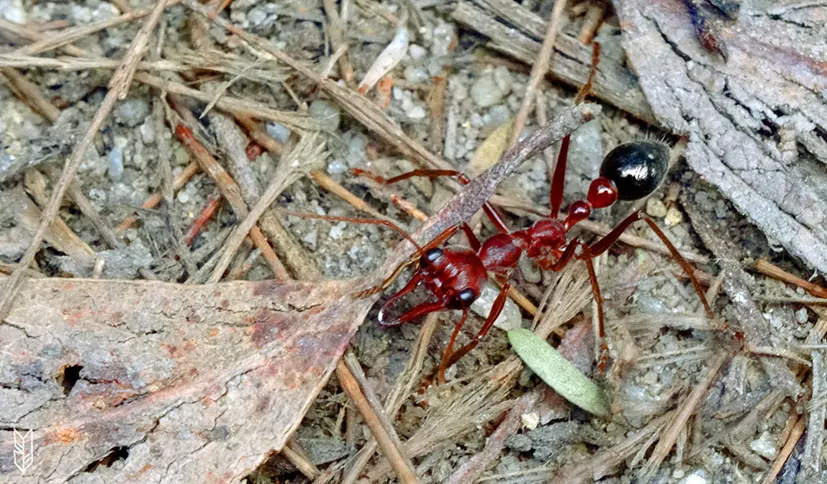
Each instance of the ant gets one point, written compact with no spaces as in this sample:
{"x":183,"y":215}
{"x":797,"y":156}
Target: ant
{"x":454,"y":276}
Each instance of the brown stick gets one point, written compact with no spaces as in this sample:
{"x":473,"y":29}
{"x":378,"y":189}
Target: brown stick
{"x":231,"y":192}
{"x":538,"y":70}
{"x":768,"y":269}
{"x":373,"y":414}
{"x":30,"y":94}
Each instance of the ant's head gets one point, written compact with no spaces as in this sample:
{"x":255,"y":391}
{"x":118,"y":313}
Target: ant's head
{"x":636,"y":168}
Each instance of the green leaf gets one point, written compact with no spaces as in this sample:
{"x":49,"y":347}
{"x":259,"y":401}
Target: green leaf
{"x":558,"y":373}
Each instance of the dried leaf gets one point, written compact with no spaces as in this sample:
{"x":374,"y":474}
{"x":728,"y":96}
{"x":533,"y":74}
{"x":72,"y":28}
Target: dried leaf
{"x":558,"y":372}
{"x":387,"y":60}
{"x":490,"y":150}
{"x":749,"y":116}
{"x":196,"y":383}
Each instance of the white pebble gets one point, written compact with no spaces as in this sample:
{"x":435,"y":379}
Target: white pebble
{"x":326,"y":112}
{"x":337,"y":231}
{"x":486,"y":91}
{"x":416,"y":113}
{"x":503,"y":78}
{"x":444,"y":36}
{"x":655,"y":208}
{"x":336,"y":167}
{"x":147,"y":132}
{"x":278,"y":131}
{"x":508,"y":319}
{"x":416,"y":74}
{"x":764,"y":446}
{"x":530,"y":420}
{"x":115,"y":158}
{"x":13,"y":11}
{"x":697,"y":477}
{"x":417,"y":52}
{"x":673,"y":216}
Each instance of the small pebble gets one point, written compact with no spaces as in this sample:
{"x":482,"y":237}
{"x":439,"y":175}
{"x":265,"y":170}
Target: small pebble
{"x":673,"y":216}
{"x":764,"y":446}
{"x":13,"y":11}
{"x":697,"y":477}
{"x":586,"y":149}
{"x":503,"y":78}
{"x":443,"y":39}
{"x":278,"y":131}
{"x":416,"y":113}
{"x":417,"y":52}
{"x":508,"y":319}
{"x":530,"y":420}
{"x":655,"y":208}
{"x":336,"y":167}
{"x":801,"y":316}
{"x":132,"y":112}
{"x":256,"y":16}
{"x":310,"y":238}
{"x":147,"y":132}
{"x":416,"y":75}
{"x":115,"y":158}
{"x":486,"y":92}
{"x":326,"y":112}
{"x":337,"y":231}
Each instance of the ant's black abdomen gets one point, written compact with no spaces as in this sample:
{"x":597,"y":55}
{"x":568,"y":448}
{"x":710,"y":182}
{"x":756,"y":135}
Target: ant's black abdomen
{"x":636,"y":168}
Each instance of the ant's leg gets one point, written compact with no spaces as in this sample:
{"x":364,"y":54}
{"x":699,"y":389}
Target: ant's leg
{"x":365,"y":221}
{"x":558,"y":178}
{"x":489,"y":209}
{"x":496,"y":309}
{"x":603,"y":356}
{"x":603,"y":245}
{"x":443,"y":365}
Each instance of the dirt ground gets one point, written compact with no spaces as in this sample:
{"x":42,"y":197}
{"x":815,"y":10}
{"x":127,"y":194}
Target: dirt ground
{"x":662,"y":346}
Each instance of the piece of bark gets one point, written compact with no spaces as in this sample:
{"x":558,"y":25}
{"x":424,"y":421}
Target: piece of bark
{"x":748,"y":117}
{"x":196,"y":383}
{"x":571,"y":60}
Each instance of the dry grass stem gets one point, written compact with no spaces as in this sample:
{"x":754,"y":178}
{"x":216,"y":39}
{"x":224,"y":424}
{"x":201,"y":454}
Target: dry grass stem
{"x":405,"y":384}
{"x":309,"y":151}
{"x":293,"y":452}
{"x":30,"y":94}
{"x":375,"y":419}
{"x":74,"y":34}
{"x":538,"y":70}
{"x":769,"y":269}
{"x":786,"y":451}
{"x":681,"y":417}
{"x":482,"y":398}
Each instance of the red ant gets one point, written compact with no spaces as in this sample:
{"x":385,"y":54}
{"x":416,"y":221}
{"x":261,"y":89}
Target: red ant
{"x":454,"y":277}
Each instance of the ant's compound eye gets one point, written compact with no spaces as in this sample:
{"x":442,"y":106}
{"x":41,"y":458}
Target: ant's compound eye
{"x":467,"y":296}
{"x":636,"y":168}
{"x":433,"y":254}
